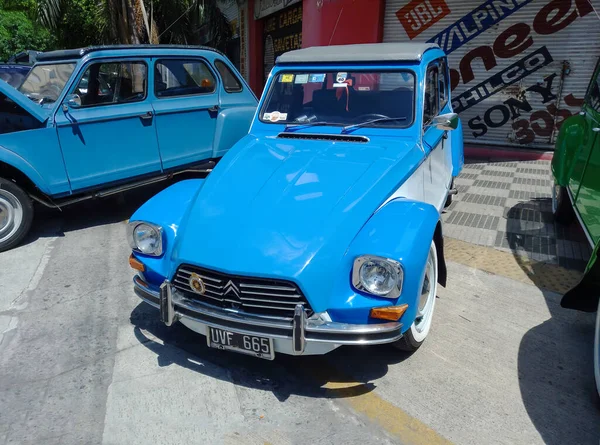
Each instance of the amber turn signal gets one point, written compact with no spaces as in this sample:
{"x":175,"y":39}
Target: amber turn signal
{"x":136,"y":264}
{"x":392,"y":313}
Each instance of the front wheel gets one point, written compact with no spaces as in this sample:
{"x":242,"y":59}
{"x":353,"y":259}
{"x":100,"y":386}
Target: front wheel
{"x":16,"y":214}
{"x":414,"y":337}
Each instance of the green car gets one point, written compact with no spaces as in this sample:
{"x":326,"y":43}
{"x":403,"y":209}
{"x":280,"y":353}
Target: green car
{"x":576,"y":193}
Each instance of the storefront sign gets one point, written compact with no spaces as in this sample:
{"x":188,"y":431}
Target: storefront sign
{"x":518,"y":68}
{"x":263,"y":8}
{"x":282,"y":33}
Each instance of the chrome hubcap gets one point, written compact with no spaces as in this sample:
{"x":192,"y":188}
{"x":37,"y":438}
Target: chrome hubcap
{"x":11,"y":215}
{"x":427,"y":297}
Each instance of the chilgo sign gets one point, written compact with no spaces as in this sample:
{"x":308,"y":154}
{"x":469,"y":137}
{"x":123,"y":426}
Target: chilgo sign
{"x":513,"y":74}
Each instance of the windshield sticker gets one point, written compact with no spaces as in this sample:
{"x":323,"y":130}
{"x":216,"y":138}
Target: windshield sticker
{"x":275,"y":116}
{"x":316,"y":78}
{"x":341,"y":77}
{"x":301,"y":78}
{"x":286,"y":78}
{"x":340,"y":85}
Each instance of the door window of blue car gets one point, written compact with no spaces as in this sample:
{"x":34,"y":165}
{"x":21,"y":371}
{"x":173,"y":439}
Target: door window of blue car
{"x":113,"y":83}
{"x":341,"y":98}
{"x":182,"y":77}
{"x":44,"y":83}
{"x":432,"y":103}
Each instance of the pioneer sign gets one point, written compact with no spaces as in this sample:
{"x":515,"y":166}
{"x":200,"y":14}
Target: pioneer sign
{"x":514,"y":74}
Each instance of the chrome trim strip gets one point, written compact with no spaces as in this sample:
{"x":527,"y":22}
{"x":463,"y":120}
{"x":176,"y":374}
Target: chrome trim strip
{"x":260,"y":286}
{"x":312,"y":330}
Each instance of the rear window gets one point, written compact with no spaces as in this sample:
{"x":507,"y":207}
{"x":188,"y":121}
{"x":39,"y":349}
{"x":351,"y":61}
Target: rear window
{"x":231,"y":83}
{"x":180,"y":77}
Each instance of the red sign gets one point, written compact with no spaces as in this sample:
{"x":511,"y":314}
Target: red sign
{"x":419,"y":15}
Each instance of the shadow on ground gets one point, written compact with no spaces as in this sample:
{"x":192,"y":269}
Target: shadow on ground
{"x":287,"y":375}
{"x":555,"y":360}
{"x":49,"y":222}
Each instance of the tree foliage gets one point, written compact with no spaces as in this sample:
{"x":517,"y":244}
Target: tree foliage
{"x":19,"y":31}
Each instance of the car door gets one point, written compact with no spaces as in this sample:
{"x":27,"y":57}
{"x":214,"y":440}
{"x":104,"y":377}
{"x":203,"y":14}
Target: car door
{"x":186,"y":104}
{"x":587,"y":164}
{"x":107,"y":133}
{"x":435,"y":141}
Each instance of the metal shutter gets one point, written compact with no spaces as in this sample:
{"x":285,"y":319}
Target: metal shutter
{"x":526,"y":93}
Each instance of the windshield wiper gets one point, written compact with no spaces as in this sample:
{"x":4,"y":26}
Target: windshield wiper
{"x":349,"y":128}
{"x":290,"y":128}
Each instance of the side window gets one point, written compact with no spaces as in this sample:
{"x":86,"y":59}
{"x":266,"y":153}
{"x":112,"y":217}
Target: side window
{"x":182,"y":77}
{"x":443,"y":81}
{"x":431,"y":105}
{"x":113,"y":83}
{"x":231,"y":83}
{"x":593,"y":98}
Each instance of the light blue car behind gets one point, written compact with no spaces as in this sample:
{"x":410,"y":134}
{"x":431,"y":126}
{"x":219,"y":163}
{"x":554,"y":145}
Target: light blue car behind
{"x":322,"y":226}
{"x":94,"y":121}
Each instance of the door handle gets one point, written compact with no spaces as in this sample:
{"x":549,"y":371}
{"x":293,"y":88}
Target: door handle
{"x":213,"y":109}
{"x":148,"y":115}
{"x":597,"y":129}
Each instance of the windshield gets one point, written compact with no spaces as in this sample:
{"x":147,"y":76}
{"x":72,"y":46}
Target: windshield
{"x":44,"y":83}
{"x":341,"y":98}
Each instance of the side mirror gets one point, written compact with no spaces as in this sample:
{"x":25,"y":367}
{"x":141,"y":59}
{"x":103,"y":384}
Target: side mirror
{"x":72,"y":101}
{"x":446,"y":122}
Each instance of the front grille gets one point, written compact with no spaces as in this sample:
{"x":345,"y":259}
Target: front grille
{"x":257,"y":296}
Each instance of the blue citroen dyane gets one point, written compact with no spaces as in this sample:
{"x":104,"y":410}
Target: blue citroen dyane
{"x":321,"y":227}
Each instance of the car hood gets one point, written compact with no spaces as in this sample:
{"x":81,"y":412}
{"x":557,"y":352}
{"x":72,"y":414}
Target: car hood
{"x":35,"y":110}
{"x":278,"y":207}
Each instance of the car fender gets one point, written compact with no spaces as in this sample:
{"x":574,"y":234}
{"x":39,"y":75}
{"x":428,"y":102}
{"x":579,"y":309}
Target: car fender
{"x":232,"y":125}
{"x":571,"y":137}
{"x":402,"y":230}
{"x":458,"y":150}
{"x":14,"y":160}
{"x":167,"y":209}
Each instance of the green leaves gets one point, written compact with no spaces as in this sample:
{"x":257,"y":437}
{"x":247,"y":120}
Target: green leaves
{"x":18,"y":33}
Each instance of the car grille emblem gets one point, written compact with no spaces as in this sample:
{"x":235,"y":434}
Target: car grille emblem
{"x":197,"y":284}
{"x":231,"y":288}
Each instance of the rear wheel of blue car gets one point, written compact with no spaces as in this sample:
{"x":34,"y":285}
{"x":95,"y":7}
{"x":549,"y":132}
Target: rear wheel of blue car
{"x":414,"y":337}
{"x":16,"y":214}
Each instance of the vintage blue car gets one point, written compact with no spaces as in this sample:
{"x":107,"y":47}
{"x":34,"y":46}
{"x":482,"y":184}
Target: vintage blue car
{"x":95,"y":121}
{"x":322,"y":226}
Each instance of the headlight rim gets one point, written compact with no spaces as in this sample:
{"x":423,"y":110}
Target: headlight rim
{"x":132,"y":225}
{"x":358,"y":284}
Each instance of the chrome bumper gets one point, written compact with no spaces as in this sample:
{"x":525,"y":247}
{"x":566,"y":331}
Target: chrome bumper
{"x":298,"y":336}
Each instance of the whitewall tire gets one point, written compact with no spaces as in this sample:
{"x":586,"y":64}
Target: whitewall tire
{"x":418,"y":331}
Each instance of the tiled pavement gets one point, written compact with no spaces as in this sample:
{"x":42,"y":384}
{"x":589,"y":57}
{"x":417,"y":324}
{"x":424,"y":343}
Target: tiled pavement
{"x":507,"y":205}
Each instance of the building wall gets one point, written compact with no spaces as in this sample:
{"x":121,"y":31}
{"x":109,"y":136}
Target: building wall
{"x":324,"y":22}
{"x":342,"y":22}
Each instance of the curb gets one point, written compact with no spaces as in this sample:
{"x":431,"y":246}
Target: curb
{"x":479,"y":152}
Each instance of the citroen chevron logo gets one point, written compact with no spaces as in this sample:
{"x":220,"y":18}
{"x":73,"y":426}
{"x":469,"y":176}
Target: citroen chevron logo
{"x":231,"y":288}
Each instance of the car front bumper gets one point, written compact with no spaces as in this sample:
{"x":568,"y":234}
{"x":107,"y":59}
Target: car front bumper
{"x":299,"y":336}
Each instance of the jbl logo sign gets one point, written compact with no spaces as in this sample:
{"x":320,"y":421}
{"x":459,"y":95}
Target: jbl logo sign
{"x":418,"y":15}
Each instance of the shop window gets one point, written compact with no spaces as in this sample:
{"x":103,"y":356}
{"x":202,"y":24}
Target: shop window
{"x":180,"y":77}
{"x":231,"y":83}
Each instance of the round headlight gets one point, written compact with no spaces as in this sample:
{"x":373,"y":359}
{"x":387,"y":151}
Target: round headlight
{"x":147,"y":239}
{"x":378,"y":277}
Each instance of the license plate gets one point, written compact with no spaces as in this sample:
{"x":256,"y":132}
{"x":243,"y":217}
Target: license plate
{"x":261,"y":347}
